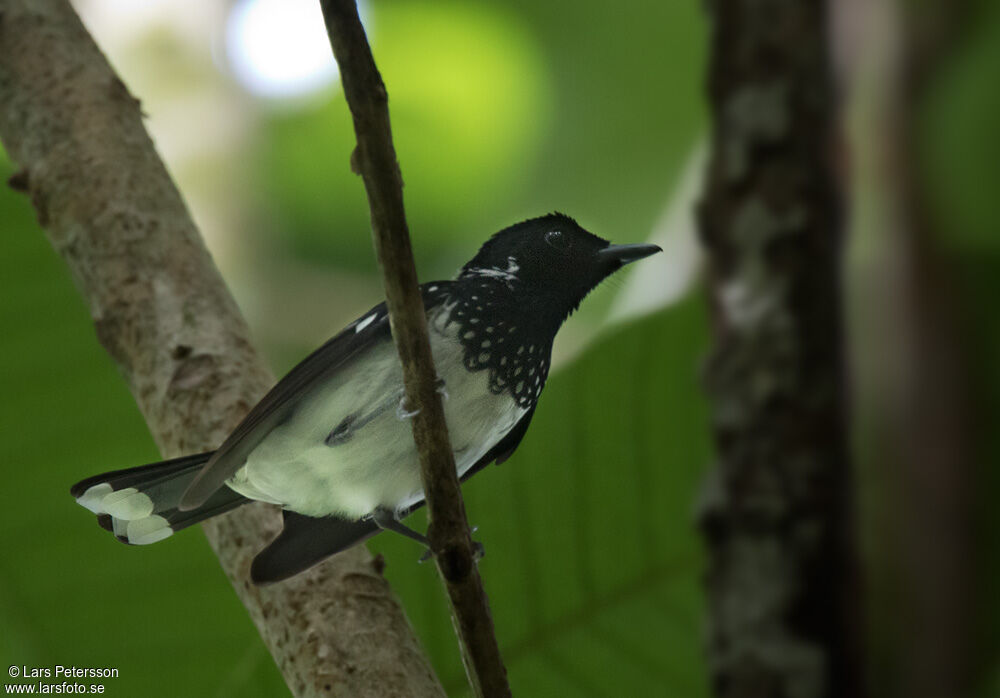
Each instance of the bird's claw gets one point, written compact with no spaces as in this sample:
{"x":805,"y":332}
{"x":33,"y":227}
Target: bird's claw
{"x":478,"y":552}
{"x":440,"y":387}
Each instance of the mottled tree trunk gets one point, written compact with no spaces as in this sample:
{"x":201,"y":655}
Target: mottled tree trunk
{"x":777,"y":514}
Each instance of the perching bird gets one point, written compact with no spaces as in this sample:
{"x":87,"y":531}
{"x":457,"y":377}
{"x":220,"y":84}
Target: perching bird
{"x":331,"y":442}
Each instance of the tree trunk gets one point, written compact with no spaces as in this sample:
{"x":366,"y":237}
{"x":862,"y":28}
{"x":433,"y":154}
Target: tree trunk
{"x":777,"y":514}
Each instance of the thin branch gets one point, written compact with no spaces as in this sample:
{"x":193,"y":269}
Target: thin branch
{"x":375,"y":160}
{"x":163,"y":312}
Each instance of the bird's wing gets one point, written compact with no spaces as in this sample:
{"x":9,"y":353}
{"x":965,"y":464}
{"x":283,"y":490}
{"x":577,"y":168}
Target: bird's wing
{"x":305,"y":541}
{"x":274,"y":408}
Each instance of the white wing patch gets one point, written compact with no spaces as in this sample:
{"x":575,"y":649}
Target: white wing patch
{"x":362,"y":324}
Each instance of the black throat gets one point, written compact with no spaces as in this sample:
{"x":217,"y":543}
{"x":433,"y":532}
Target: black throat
{"x":504,"y":332}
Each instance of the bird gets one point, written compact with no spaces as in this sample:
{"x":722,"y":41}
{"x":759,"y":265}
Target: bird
{"x":331,"y":442}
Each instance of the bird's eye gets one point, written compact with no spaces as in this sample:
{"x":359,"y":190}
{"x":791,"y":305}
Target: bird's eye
{"x":556,"y":239}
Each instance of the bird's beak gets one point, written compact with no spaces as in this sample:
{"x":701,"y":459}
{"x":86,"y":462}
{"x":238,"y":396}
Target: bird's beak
{"x":627,"y":253}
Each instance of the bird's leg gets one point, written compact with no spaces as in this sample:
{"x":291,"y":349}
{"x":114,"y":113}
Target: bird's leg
{"x":478,"y":550}
{"x":387,"y":521}
{"x":403,"y":411}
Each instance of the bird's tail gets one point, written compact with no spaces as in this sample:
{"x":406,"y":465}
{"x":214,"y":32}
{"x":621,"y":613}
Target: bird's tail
{"x":139,"y":505}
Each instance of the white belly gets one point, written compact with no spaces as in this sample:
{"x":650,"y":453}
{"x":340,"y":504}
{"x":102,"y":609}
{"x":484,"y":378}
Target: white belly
{"x":377,"y":465}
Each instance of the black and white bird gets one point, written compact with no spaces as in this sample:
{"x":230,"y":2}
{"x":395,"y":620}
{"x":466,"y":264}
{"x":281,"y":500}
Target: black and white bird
{"x":331,"y":442}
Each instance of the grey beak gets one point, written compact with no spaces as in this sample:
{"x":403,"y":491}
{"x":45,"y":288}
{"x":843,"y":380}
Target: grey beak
{"x":627,"y":253}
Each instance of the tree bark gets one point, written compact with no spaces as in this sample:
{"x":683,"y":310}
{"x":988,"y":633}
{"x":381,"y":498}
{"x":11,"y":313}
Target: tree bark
{"x":163,"y":313}
{"x":778,"y":513}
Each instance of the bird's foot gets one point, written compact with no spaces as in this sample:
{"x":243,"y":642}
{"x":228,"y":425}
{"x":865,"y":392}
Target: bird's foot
{"x":441,"y":388}
{"x":478,"y":551}
{"x":403,"y":412}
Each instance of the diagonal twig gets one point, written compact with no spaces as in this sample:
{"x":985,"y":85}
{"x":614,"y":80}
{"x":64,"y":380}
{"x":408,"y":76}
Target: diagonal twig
{"x":375,"y":160}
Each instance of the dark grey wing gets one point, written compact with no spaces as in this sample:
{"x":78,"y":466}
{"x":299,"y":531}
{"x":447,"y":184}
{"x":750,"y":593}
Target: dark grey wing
{"x":305,"y":541}
{"x":274,"y":408}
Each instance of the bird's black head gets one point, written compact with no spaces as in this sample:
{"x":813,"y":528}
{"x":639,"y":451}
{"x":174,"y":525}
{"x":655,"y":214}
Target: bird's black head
{"x":511,"y":298}
{"x":551,"y":262}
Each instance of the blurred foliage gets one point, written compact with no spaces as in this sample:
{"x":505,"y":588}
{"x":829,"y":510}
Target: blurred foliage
{"x":959,"y":136}
{"x":500,"y":111}
{"x":469,"y":102}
